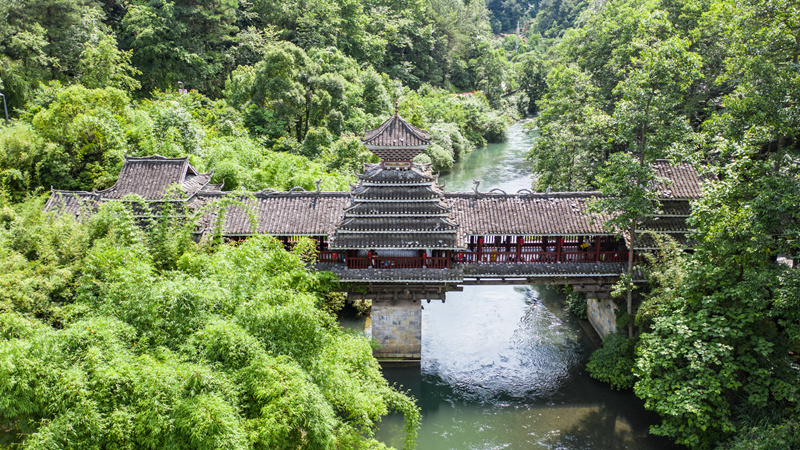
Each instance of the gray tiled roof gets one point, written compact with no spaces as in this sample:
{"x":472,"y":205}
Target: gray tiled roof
{"x":78,"y":204}
{"x":525,"y":215}
{"x":280,"y":214}
{"x":150,"y":177}
{"x":672,"y":221}
{"x":646,"y":241}
{"x":675,"y":208}
{"x":684,"y":180}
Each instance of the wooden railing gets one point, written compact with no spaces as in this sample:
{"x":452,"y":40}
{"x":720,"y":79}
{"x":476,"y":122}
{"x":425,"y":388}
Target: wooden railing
{"x":618,"y":256}
{"x":541,"y":257}
{"x":329,"y":256}
{"x":378,"y":262}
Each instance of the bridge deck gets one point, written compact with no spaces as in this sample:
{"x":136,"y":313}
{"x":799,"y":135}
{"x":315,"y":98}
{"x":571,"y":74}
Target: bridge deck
{"x":477,"y":273}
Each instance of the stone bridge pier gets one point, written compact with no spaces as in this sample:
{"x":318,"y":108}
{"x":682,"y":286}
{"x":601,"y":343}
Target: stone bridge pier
{"x":397,"y":319}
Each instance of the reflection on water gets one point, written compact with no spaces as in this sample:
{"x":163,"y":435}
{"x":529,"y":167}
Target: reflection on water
{"x":501,"y":166}
{"x":502,"y":367}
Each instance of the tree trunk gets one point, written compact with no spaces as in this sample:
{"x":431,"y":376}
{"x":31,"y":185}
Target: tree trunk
{"x":630,"y":273}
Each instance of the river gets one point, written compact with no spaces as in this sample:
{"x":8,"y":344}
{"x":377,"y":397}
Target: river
{"x":503,"y":366}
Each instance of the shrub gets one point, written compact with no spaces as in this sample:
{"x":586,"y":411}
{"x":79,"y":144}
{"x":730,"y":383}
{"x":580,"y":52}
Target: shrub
{"x":576,"y":304}
{"x":613,"y":362}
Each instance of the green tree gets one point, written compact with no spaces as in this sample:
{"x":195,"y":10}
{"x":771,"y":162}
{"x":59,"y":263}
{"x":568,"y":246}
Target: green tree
{"x":226,"y":348}
{"x":721,"y":331}
{"x":182,"y":40}
{"x":573,"y":131}
{"x":626,"y":184}
{"x":103,"y":64}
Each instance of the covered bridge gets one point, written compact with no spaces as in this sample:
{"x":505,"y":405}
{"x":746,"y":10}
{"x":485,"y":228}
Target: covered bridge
{"x":398,"y":217}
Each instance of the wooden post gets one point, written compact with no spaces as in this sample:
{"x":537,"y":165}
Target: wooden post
{"x":545,"y":250}
{"x":520,"y":239}
{"x":596,"y":243}
{"x":559,"y":241}
{"x":480,"y":249}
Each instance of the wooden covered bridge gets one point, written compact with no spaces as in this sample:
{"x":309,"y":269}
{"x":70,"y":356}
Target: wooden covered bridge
{"x":401,"y":235}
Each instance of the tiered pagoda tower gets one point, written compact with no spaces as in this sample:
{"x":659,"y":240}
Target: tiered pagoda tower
{"x":398,"y":216}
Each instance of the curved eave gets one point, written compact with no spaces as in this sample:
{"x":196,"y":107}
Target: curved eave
{"x":395,"y":147}
{"x":452,"y":231}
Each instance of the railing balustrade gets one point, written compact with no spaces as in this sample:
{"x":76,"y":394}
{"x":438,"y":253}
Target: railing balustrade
{"x":487,"y":255}
{"x":328,"y":256}
{"x":379,"y":262}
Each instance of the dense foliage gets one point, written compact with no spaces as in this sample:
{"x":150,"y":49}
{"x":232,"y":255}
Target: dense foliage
{"x":613,"y":362}
{"x":712,"y":83}
{"x":112,"y":336}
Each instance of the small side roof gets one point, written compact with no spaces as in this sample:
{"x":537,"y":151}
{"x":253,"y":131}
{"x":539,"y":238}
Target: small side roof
{"x":151,"y":176}
{"x":78,"y":204}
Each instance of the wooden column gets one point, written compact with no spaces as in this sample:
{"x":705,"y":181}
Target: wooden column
{"x":559,"y":241}
{"x":520,"y":239}
{"x":597,"y":248}
{"x":480,"y":249}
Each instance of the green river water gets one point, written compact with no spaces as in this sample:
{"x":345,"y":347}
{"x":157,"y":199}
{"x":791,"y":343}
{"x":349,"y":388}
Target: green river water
{"x":503,"y":366}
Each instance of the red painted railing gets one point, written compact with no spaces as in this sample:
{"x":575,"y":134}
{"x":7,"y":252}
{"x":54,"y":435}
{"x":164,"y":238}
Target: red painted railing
{"x":540,"y":257}
{"x":378,"y":262}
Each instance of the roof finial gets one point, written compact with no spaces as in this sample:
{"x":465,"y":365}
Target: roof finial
{"x":396,"y":105}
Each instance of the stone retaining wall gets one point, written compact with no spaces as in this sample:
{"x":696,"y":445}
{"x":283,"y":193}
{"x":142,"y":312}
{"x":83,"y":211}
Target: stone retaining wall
{"x":602,"y":315}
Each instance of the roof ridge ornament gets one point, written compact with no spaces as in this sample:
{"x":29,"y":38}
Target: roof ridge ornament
{"x":475,"y":188}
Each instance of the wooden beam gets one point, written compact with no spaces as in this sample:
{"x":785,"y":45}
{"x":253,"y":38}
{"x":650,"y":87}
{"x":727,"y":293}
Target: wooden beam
{"x":588,"y":287}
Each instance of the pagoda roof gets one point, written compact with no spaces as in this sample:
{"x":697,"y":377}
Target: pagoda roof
{"x":392,"y":193}
{"x":151,"y":176}
{"x":397,"y":209}
{"x":418,"y":173}
{"x":399,"y":225}
{"x":410,"y":241}
{"x":396,"y":140}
